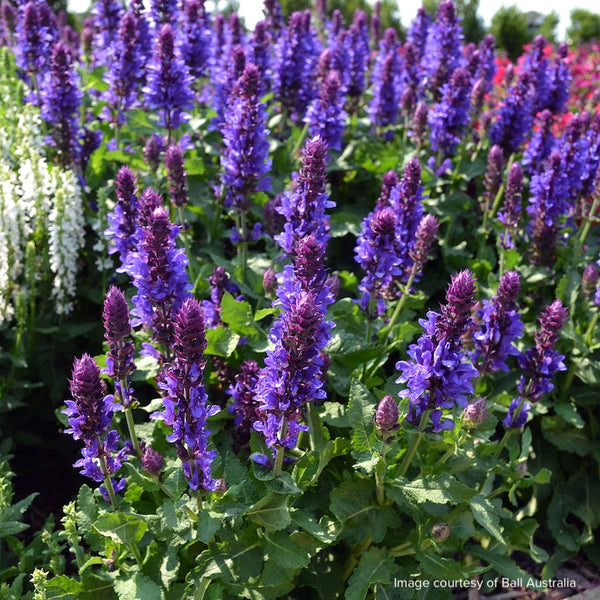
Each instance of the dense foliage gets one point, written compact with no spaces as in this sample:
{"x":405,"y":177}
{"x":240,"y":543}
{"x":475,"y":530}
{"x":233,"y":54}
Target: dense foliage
{"x":317,"y":308}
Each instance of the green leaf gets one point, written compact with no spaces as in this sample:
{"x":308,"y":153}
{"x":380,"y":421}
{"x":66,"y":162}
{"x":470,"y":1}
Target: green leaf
{"x":209,"y":522}
{"x":221,"y":341}
{"x":500,"y":562}
{"x":121,"y":527}
{"x":138,"y":587}
{"x":355,"y":506}
{"x":284,"y":551}
{"x":344,"y":222}
{"x":374,"y":566}
{"x":238,"y":315}
{"x":566,"y":438}
{"x":63,"y":588}
{"x":439,"y":490}
{"x":147,"y":368}
{"x":271,"y":512}
{"x":87,"y":509}
{"x":485,"y":514}
{"x":569,"y":413}
{"x":148,"y":484}
{"x":440,"y":568}
{"x":361,"y":410}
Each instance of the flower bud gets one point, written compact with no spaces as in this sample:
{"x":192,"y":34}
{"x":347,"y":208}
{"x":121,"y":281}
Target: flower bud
{"x":386,"y":415}
{"x":152,"y":461}
{"x":475,"y":413}
{"x":441,"y":531}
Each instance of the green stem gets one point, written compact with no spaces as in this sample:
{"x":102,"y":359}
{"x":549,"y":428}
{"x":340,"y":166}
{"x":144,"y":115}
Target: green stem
{"x":586,"y":226}
{"x":107,"y":480}
{"x":280,"y":453}
{"x":399,"y":305}
{"x":380,"y":478}
{"x":201,"y":588}
{"x":410,"y":453}
{"x":132,"y":435}
{"x":490,"y":212}
{"x":243,"y":246}
{"x":565,"y":388}
{"x":137,"y":554}
{"x":298,"y":143}
{"x":354,"y":558}
{"x":589,"y":334}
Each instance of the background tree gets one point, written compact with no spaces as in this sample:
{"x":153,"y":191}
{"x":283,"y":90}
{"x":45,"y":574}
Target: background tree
{"x":549,"y":25}
{"x":510,"y":30}
{"x":470,"y":21}
{"x":585,"y":26}
{"x":390,"y":15}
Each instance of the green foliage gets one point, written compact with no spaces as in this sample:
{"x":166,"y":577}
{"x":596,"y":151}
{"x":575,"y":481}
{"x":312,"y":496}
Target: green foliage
{"x":584,"y":26}
{"x":509,"y":28}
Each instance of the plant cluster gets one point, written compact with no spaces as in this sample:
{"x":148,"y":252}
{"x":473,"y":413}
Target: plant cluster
{"x":349,"y":295}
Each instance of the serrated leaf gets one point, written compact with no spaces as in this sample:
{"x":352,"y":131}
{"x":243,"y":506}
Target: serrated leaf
{"x":439,"y":567}
{"x":500,"y":562}
{"x":271,"y":512}
{"x":356,"y":507}
{"x":439,"y":490}
{"x":137,"y":587}
{"x":147,"y":367}
{"x":238,"y":315}
{"x":569,"y":413}
{"x":87,"y":509}
{"x":121,"y":527}
{"x":221,"y":341}
{"x":209,"y":523}
{"x":148,"y":484}
{"x":62,"y":587}
{"x":566,"y":438}
{"x":361,"y":410}
{"x":374,"y":566}
{"x":485,"y":514}
{"x":323,"y":530}
{"x":284,"y":551}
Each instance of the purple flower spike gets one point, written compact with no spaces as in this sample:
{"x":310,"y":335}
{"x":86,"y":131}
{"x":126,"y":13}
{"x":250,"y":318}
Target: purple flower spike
{"x":244,"y":405}
{"x":510,"y":214}
{"x":61,"y":104}
{"x":379,"y":251}
{"x":424,"y":238}
{"x":185,"y":402}
{"x":33,"y":43}
{"x":293,"y":376}
{"x":492,"y":179}
{"x":325,"y":116}
{"x":126,"y":68}
{"x":297,"y":53}
{"x":158,"y":270}
{"x":169,"y":88}
{"x":541,"y":362}
{"x":176,"y":175}
{"x":443,"y":49}
{"x":305,"y":207}
{"x":500,"y":327}
{"x":439,"y":376}
{"x":515,"y":116}
{"x":117,"y":330}
{"x":89,"y":414}
{"x":449,"y":117}
{"x":245,"y":159}
{"x":123,"y":218}
{"x":548,"y":204}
